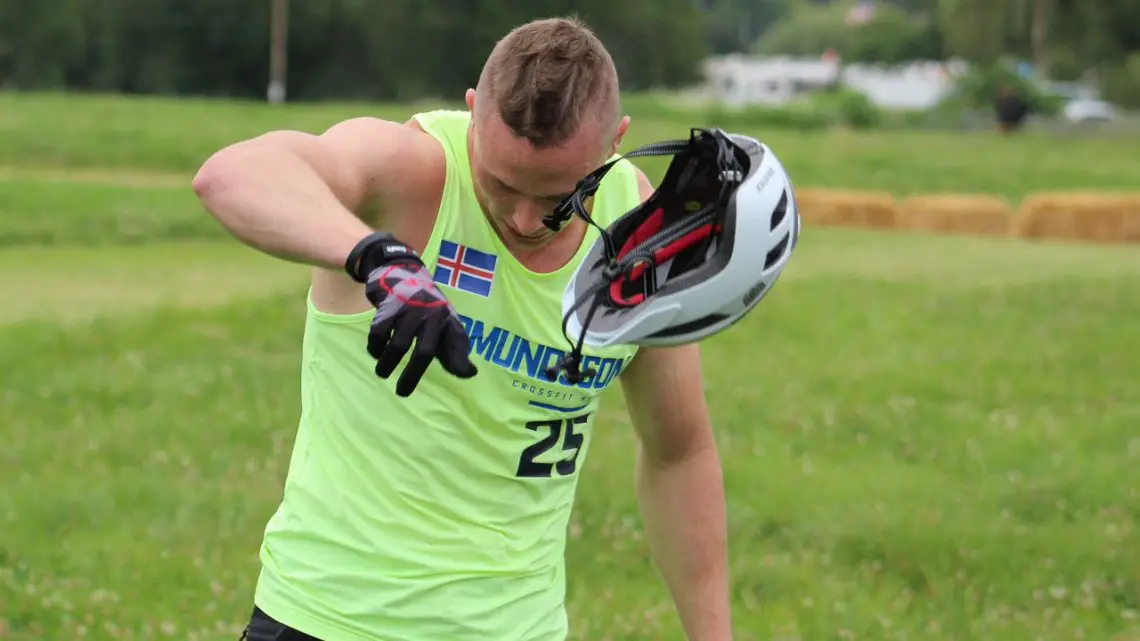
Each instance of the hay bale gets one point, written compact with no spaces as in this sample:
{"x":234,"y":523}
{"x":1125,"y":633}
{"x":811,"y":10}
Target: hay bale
{"x":833,"y":208}
{"x":967,"y":214}
{"x":1096,"y":217}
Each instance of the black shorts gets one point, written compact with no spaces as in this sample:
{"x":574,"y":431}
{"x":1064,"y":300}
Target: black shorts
{"x":263,"y":627}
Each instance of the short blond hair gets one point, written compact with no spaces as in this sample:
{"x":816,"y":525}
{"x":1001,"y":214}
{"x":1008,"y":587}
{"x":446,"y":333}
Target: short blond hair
{"x":547,"y":77}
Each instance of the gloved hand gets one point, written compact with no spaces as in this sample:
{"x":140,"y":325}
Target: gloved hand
{"x":409,"y":307}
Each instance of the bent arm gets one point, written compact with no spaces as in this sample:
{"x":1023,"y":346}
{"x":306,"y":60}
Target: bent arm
{"x":299,"y":196}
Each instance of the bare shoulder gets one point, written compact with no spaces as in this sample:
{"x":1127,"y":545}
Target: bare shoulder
{"x":398,"y":165}
{"x":644,"y":187}
{"x":656,"y":366}
{"x":376,"y":168}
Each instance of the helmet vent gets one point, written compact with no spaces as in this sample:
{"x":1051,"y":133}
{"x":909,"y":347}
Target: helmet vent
{"x":691,"y":326}
{"x":781,"y":210}
{"x":776,"y":252}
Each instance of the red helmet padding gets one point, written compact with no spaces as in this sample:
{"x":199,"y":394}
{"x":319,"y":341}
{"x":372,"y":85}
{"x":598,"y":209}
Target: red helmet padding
{"x":644,"y":231}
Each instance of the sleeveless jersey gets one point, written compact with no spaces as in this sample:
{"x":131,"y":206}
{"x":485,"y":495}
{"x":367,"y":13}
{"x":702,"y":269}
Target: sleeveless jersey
{"x":442,"y":515}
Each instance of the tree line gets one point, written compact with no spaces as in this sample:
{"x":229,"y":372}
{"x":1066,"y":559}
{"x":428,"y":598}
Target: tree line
{"x":366,"y":49}
{"x":1065,"y":40}
{"x":410,"y":49}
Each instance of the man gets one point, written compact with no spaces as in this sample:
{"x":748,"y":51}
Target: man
{"x":433,"y":504}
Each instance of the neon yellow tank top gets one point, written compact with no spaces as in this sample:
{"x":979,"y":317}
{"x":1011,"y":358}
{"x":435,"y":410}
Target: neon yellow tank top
{"x":442,"y":515}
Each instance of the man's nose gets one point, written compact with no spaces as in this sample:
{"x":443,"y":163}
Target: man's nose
{"x":527,"y":217}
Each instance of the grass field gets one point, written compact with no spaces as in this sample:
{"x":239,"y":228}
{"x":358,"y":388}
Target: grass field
{"x":168,"y":139}
{"x":924,"y":437}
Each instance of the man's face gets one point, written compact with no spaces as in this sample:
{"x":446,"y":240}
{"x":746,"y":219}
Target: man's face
{"x":519,"y":185}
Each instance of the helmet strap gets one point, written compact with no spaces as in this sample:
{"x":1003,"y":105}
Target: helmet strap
{"x":645,"y":252}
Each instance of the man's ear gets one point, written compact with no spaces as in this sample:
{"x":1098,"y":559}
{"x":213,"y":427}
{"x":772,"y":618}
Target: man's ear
{"x":619,"y":135}
{"x":469,"y":97}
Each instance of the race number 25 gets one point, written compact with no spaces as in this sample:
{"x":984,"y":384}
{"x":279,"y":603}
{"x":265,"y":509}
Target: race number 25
{"x":562,"y":434}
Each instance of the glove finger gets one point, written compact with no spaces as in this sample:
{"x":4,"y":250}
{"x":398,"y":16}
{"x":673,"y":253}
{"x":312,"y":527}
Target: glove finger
{"x":427,"y":344}
{"x":398,"y":345}
{"x":379,"y":335}
{"x":454,"y":350}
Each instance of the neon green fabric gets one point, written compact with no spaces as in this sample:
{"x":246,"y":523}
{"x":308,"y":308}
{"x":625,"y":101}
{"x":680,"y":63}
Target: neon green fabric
{"x":442,"y":515}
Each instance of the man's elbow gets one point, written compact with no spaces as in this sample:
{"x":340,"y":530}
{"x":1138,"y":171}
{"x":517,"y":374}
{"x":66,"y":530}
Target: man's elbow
{"x":679,"y":447}
{"x":221,"y":167}
{"x":208,"y":178}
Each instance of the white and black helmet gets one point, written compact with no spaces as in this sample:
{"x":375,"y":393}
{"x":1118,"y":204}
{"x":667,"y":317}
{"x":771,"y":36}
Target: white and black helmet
{"x":693,"y":259}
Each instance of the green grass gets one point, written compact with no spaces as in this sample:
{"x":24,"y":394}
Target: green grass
{"x":924,"y":437}
{"x":46,"y":212}
{"x":100,"y":133}
{"x":73,"y":285}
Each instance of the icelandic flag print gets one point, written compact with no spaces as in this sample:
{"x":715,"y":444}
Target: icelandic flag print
{"x":465,"y":269}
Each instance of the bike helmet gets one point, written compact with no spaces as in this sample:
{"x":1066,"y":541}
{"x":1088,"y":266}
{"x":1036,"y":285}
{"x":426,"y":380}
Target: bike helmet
{"x":690,"y":261}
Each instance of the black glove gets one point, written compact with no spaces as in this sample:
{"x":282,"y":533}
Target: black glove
{"x":408,"y":307}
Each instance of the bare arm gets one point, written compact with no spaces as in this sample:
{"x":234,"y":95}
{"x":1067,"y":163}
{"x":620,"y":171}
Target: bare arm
{"x":299,"y":196}
{"x":680,"y":486}
{"x":679,"y":482}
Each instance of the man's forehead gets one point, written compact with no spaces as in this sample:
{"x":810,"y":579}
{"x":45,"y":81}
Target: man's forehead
{"x":507,"y":156}
{"x":545,"y":180}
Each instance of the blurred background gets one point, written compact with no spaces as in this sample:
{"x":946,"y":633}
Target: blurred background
{"x":930,"y":429}
{"x":930,"y":62}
